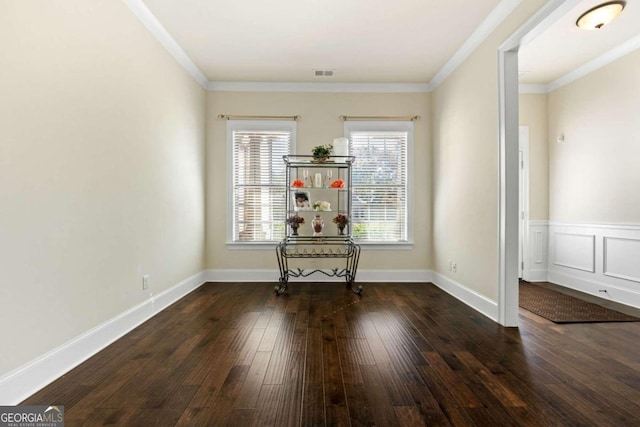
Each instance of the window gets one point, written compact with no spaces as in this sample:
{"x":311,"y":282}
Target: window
{"x":380,"y":197}
{"x":257,"y":196}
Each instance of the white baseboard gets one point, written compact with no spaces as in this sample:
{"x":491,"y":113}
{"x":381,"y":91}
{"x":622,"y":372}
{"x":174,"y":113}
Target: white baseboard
{"x":538,"y":276}
{"x":613,"y":293}
{"x":24,"y":381}
{"x":473,"y":299}
{"x":418,"y":276}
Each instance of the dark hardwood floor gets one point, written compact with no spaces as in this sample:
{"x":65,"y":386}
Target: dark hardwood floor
{"x":402,"y":354}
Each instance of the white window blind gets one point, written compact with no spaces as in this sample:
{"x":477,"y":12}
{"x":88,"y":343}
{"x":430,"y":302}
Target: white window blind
{"x":379,"y":198}
{"x":259,"y":188}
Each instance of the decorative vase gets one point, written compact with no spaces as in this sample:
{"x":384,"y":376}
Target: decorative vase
{"x":294,"y":229}
{"x":317,"y":224}
{"x":341,"y":230}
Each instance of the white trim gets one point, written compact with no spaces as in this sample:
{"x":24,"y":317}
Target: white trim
{"x":593,"y":287}
{"x":593,"y":65}
{"x":478,"y":302}
{"x":272,"y":275}
{"x":491,"y":22}
{"x":538,"y":251}
{"x":538,"y":276}
{"x":508,"y":188}
{"x":508,"y":129}
{"x":585,"y":69}
{"x":560,"y":9}
{"x":317,"y":87}
{"x":144,"y":15}
{"x":524,"y":199}
{"x":22,"y":382}
{"x":589,"y":269}
{"x":271,"y":246}
{"x":604,"y":225}
{"x":385,"y":246}
{"x":539,"y":222}
{"x":605,"y":256}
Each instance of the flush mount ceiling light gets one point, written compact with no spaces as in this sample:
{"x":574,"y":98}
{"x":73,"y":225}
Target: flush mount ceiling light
{"x":600,"y":15}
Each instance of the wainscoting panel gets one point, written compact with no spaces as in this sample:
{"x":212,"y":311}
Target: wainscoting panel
{"x":576,"y":251}
{"x":622,"y":258}
{"x":536,"y":267}
{"x":599,"y":259}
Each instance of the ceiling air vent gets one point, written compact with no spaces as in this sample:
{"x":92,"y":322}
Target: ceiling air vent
{"x":323,"y":73}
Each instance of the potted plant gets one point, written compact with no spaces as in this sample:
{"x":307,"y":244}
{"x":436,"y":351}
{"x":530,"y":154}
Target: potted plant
{"x":321,"y":153}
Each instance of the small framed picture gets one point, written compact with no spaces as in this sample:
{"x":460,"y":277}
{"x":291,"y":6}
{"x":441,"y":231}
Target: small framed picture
{"x":301,"y":201}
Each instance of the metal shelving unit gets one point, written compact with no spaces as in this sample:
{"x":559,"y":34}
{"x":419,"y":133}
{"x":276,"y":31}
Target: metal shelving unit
{"x":330,"y":244}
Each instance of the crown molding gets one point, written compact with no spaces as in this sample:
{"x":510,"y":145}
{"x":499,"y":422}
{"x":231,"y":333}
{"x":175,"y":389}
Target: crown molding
{"x":495,"y":18}
{"x":599,"y":62}
{"x":557,"y":8}
{"x":316,"y":87}
{"x":144,"y":15}
{"x":588,"y":68}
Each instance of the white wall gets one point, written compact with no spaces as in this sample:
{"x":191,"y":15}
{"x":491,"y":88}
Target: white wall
{"x":594,"y":174}
{"x":320,"y":124}
{"x":533,"y":113}
{"x":101,"y":171}
{"x":465,"y":195}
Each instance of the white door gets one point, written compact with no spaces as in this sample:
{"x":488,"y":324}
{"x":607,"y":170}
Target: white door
{"x":523,"y":245}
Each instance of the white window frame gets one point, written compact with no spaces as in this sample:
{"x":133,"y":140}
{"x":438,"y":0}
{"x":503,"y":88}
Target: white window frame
{"x":390,"y":126}
{"x":249,"y":125}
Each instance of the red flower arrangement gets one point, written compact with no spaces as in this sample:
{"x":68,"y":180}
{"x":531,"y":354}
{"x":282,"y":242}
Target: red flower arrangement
{"x":295,"y":220}
{"x":338,"y":183}
{"x":341,"y":220}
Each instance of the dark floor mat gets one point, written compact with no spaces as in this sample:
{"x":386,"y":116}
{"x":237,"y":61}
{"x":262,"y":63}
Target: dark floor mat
{"x":560,"y":308}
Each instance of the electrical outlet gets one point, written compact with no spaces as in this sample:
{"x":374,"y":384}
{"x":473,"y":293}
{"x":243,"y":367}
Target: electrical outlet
{"x":454,"y":267}
{"x":145,"y":282}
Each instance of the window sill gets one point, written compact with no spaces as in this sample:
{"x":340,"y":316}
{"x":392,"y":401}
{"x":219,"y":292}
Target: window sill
{"x":252,"y":246}
{"x":386,"y":246}
{"x":382,"y":246}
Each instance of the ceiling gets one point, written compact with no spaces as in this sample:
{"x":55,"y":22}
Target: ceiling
{"x":366,"y":41}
